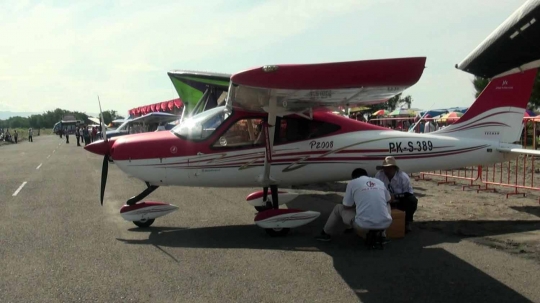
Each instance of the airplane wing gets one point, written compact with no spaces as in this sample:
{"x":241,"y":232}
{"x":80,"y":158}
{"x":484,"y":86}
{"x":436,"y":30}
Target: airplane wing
{"x":302,"y":87}
{"x":520,"y":151}
{"x":192,"y":86}
{"x":514,"y":43}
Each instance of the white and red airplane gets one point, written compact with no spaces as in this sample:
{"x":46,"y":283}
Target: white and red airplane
{"x":275,"y":129}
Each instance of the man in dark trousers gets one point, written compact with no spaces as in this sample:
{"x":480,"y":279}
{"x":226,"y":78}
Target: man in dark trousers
{"x":78,"y":136}
{"x":30,"y":135}
{"x":67,"y":136}
{"x":86,"y":135}
{"x":398,"y":184}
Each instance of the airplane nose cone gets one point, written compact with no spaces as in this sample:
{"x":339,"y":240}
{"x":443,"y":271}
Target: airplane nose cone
{"x":99,"y":147}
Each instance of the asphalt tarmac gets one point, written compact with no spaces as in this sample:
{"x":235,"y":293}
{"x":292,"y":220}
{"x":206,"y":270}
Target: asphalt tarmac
{"x":58,"y":244}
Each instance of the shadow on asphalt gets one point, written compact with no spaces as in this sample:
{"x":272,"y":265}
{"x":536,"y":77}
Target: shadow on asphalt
{"x":533,"y":210}
{"x":407,"y":270}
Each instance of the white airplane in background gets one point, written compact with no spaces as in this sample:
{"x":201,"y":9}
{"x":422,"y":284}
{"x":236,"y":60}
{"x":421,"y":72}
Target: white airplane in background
{"x":275,"y":128}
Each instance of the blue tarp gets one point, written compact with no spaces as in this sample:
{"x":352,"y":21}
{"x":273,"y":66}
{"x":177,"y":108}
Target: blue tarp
{"x":434,"y":112}
{"x":442,"y":111}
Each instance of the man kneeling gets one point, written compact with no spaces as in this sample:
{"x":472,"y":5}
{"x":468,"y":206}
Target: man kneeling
{"x":365,"y":207}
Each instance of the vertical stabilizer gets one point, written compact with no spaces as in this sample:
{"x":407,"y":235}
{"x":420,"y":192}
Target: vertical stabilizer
{"x":497,"y":114}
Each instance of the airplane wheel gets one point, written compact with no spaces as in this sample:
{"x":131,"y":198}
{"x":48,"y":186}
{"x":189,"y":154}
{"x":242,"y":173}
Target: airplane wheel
{"x":262,"y":208}
{"x":144,"y":223}
{"x":277,"y":232}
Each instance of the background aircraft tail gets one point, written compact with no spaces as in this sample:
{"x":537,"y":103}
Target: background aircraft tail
{"x":497,"y":114}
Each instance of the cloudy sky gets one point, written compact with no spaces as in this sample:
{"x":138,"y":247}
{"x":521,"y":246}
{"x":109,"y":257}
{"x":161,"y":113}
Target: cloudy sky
{"x":62,"y":54}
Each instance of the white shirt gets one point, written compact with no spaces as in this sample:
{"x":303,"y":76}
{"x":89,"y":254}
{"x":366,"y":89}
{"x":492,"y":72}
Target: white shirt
{"x":401,"y":183}
{"x":371,"y":199}
{"x":160,"y":128}
{"x":429,"y":127}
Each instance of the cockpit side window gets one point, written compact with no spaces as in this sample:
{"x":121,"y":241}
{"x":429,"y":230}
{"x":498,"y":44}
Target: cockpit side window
{"x":298,"y":129}
{"x":244,"y":133}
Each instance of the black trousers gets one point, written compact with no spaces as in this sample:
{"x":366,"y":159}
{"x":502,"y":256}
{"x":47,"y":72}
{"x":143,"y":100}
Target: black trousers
{"x":30,"y":139}
{"x":408,"y":205}
{"x":78,"y":138}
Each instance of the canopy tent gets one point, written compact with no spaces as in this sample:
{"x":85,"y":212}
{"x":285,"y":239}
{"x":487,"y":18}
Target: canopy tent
{"x":403,"y":112}
{"x":156,"y":117}
{"x":510,"y":47}
{"x":165,"y":106}
{"x":458,"y":109}
{"x":359,"y":109}
{"x":95,"y":120}
{"x":200,"y":91}
{"x":434,"y":112}
{"x":380,"y":112}
{"x":450,"y":117}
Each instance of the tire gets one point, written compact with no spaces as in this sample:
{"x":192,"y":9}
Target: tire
{"x":145,"y":223}
{"x":262,"y":208}
{"x":277,"y":232}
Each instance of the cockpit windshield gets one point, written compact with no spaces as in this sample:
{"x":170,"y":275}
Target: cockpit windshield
{"x":201,"y":126}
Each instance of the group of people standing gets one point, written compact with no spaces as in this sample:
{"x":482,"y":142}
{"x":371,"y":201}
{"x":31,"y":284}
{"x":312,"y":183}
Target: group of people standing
{"x":83,"y":134}
{"x":8,"y":137}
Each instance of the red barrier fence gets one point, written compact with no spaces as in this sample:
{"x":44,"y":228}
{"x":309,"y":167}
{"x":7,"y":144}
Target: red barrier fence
{"x":520,"y":173}
{"x":517,"y":174}
{"x":470,"y":174}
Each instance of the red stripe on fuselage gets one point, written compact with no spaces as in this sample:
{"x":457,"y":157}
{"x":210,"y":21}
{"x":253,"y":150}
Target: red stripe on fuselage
{"x":165,"y":144}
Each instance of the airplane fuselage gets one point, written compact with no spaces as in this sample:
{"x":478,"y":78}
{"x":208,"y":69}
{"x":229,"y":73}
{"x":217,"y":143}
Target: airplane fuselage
{"x":325,"y":159}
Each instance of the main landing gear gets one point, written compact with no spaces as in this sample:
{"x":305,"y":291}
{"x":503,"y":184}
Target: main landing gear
{"x":274,"y":204}
{"x":144,"y":214}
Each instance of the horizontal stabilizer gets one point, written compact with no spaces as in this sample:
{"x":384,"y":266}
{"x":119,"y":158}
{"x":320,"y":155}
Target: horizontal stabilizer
{"x":522,"y":151}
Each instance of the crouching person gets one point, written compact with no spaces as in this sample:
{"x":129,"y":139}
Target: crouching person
{"x":365,"y":207}
{"x":401,"y":191}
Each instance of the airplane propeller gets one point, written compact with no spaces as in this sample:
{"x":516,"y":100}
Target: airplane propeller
{"x":105,"y":166}
{"x":104,"y":171}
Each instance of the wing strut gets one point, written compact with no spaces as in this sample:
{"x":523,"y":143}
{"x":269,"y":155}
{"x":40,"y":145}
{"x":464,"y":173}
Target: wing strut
{"x":269,"y":131}
{"x":275,"y":221}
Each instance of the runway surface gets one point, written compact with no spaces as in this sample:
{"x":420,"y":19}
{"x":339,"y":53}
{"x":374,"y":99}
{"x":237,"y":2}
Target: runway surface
{"x":57,"y":244}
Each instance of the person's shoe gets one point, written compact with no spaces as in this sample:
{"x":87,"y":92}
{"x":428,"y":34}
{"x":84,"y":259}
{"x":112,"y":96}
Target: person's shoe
{"x":323,"y":237}
{"x":408,"y":227}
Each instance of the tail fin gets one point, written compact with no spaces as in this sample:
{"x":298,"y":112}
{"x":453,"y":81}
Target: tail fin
{"x":497,"y":114}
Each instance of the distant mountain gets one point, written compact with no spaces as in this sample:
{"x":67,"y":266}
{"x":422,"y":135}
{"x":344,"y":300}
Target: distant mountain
{"x":6,"y":115}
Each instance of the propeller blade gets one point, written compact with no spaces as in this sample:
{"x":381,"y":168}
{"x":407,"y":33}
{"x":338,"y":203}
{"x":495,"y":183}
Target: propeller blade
{"x":104,"y":171}
{"x":102,"y":124}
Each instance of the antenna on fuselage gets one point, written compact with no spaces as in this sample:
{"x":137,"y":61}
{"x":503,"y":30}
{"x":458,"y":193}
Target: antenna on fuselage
{"x":411,"y":129}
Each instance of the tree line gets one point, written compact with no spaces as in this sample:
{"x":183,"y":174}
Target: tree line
{"x":49,"y":118}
